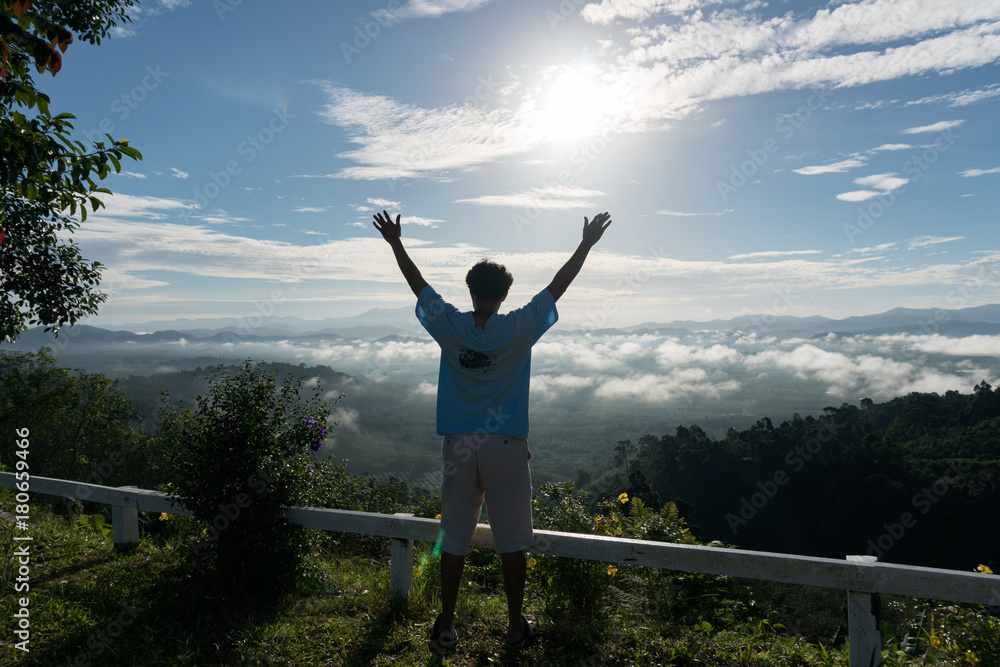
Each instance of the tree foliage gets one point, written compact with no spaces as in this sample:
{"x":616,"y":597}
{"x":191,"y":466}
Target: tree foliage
{"x":913,"y":480}
{"x":81,"y":424}
{"x":48,"y":180}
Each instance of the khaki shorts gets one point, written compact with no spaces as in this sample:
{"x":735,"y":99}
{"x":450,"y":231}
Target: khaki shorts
{"x":488,"y":467}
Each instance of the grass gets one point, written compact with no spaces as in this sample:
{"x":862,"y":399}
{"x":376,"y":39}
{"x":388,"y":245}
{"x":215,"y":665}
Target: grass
{"x":153,"y":605}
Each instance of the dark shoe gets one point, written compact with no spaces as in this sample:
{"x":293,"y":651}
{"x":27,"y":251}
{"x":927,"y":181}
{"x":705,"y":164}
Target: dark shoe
{"x":531,"y":630}
{"x":437,"y":644}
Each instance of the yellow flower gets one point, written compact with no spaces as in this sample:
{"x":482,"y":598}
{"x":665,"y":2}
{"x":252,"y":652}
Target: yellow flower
{"x":985,"y":569}
{"x":438,"y":516}
{"x":416,"y":570}
{"x":623,"y":498}
{"x":598,"y":518}
{"x":612,"y":570}
{"x":971,"y":658}
{"x":164,"y":516}
{"x":532,"y":563}
{"x":935,"y":641}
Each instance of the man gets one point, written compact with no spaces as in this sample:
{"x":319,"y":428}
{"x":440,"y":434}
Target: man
{"x":482,"y":412}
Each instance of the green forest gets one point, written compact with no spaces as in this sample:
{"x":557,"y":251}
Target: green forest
{"x":913,"y":480}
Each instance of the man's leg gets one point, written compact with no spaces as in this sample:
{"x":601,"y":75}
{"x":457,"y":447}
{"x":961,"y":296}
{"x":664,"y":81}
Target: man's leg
{"x":515,"y":569}
{"x":461,"y":504}
{"x":451,"y":579}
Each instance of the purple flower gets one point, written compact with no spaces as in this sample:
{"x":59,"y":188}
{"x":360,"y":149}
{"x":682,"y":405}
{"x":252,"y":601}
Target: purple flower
{"x":310,"y":422}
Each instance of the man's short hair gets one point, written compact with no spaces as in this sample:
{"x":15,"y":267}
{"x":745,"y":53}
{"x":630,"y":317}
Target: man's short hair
{"x":489,"y":280}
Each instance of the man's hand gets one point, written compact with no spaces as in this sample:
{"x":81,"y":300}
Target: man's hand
{"x":594,"y":229}
{"x":391,"y":231}
{"x":592,"y":232}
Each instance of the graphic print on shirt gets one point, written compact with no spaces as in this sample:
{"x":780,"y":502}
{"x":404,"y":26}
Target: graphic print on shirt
{"x":475,"y":360}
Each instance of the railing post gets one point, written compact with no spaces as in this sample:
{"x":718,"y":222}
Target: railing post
{"x":124,"y":524}
{"x":864,"y":618}
{"x":401,"y":574}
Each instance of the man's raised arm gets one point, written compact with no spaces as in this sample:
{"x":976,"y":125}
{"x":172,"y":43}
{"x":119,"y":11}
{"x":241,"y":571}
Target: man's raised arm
{"x":592,"y":231}
{"x":392,"y":233}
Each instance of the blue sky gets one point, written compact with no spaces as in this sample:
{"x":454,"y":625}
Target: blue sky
{"x":792,"y":158}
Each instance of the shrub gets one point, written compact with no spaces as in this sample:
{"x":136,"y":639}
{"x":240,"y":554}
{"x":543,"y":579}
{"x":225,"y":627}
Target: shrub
{"x":242,"y":454}
{"x":589,"y":592}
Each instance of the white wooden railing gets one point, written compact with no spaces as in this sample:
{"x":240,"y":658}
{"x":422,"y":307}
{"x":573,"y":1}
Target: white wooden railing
{"x":863,"y":577}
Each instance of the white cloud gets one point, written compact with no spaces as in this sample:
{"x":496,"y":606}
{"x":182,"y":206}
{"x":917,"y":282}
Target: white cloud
{"x":310,"y":209}
{"x":681,"y":214}
{"x":833,"y":168}
{"x":935,"y":127}
{"x":775,"y":253}
{"x":972,"y":173}
{"x":396,"y":140}
{"x":857,"y":195}
{"x":134,"y":174}
{"x":637,"y":10}
{"x":970,"y":346}
{"x":883,"y":182}
{"x":925,"y":241}
{"x":417,"y":220}
{"x":414,"y":9}
{"x":667,"y":72}
{"x":178,"y":173}
{"x":134,"y":206}
{"x":555,"y":197}
{"x":382,"y":203}
{"x":960,"y":99}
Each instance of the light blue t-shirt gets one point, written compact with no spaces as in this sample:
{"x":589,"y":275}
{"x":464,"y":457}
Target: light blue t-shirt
{"x":484,"y":375}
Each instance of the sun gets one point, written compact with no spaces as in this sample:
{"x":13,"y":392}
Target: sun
{"x":572,"y":105}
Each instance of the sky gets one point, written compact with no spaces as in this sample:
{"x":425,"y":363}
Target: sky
{"x":790,"y":158}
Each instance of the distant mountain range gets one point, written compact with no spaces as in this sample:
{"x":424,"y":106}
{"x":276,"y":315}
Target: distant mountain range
{"x":955,"y":322}
{"x":396,"y":323}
